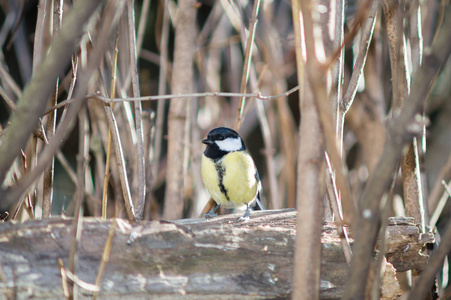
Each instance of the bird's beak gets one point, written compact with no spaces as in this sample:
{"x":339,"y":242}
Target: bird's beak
{"x":207,"y":142}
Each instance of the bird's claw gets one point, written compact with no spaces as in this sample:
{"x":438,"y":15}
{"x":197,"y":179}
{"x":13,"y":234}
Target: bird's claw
{"x":210,"y":215}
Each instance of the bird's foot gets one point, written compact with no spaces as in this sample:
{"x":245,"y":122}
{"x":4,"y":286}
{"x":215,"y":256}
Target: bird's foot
{"x":245,"y":217}
{"x":211,"y":213}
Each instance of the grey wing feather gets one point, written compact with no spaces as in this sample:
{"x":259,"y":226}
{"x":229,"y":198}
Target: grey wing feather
{"x":257,"y":205}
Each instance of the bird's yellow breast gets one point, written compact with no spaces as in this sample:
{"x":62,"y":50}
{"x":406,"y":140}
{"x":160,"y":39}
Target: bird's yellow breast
{"x":231,"y":180}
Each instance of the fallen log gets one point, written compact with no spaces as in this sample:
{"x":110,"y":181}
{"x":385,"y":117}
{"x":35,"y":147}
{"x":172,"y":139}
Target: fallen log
{"x":191,"y":258}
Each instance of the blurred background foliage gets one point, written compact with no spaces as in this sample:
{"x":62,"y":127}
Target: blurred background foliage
{"x":218,"y":63}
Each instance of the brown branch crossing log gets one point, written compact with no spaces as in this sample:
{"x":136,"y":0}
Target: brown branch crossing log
{"x":195,"y":258}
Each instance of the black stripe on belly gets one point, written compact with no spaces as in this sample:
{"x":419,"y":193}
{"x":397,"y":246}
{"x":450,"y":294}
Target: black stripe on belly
{"x":221,"y":171}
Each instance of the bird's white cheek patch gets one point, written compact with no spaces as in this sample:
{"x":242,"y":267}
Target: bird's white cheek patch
{"x":230,"y":144}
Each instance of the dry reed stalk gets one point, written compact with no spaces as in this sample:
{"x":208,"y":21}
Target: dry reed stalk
{"x":140,"y":179}
{"x":247,"y":62}
{"x":179,"y":117}
{"x":49,"y":174}
{"x":109,"y":147}
{"x":310,"y":178}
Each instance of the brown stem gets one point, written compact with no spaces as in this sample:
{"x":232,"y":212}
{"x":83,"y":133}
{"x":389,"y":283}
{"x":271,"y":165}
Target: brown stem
{"x":106,"y":177}
{"x":365,"y":41}
{"x":178,"y":120}
{"x":141,"y":180}
{"x":311,"y":167}
{"x":247,"y":62}
{"x":51,"y":121}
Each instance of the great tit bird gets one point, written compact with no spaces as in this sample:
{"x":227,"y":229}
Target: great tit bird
{"x":229,"y":173}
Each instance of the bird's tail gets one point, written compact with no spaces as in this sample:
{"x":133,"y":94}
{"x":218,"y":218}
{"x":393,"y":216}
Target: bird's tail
{"x":257,"y":205}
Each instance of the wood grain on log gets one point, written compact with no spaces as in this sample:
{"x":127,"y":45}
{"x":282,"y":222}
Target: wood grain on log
{"x":191,"y":258}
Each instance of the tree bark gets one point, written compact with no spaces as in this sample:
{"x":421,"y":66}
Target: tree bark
{"x":195,"y":258}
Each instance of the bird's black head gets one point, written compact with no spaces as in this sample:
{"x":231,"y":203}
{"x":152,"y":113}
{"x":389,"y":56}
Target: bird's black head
{"x":221,"y":141}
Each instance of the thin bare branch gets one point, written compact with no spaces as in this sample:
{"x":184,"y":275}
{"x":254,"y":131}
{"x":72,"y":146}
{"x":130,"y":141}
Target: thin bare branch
{"x":436,"y":192}
{"x":440,"y":206}
{"x":361,"y":16}
{"x":177,"y":96}
{"x":63,"y":278}
{"x":334,"y":198}
{"x":9,"y":101}
{"x":49,"y":173}
{"x":38,"y":51}
{"x":120,"y":161}
{"x":412,"y":187}
{"x":359,"y":63}
{"x":247,"y":62}
{"x":393,"y":13}
{"x":106,"y":177}
{"x":82,"y":157}
{"x":142,"y":25}
{"x":337,"y":71}
{"x":105,"y":257}
{"x":9,"y":82}
{"x":416,"y":35}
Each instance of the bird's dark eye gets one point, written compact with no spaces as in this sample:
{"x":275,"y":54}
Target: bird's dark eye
{"x":220,"y":138}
